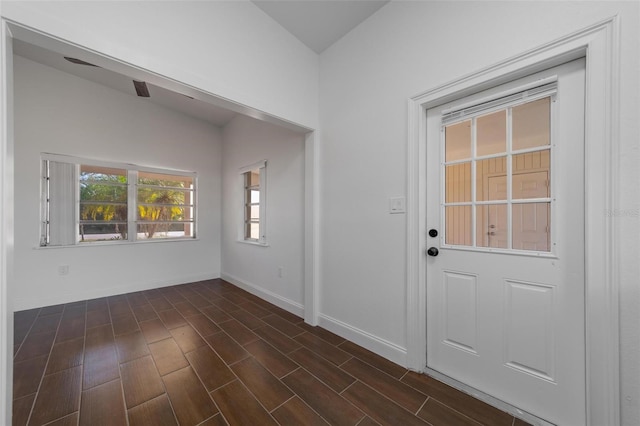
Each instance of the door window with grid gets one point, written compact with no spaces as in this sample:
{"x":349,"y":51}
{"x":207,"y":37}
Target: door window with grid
{"x":497,"y":174}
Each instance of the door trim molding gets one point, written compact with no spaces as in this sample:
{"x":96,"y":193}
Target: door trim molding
{"x":599,"y":43}
{"x":6,"y":221}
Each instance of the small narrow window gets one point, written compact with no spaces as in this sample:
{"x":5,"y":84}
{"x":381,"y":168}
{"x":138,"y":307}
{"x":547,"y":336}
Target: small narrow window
{"x":254,"y":224}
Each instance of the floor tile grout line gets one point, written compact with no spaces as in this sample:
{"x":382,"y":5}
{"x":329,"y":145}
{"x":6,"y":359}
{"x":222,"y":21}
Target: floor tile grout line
{"x":44,"y":371}
{"x":84,"y":347}
{"x":283,"y":403}
{"x":164,"y":387}
{"x":115,"y":344}
{"x":422,"y":406}
{"x":456,"y":411}
{"x":247,"y":389}
{"x":388,"y":398}
{"x":26,"y":334}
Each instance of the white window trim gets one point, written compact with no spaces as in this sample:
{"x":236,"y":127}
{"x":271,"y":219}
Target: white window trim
{"x":262,"y":241}
{"x":132,"y":195}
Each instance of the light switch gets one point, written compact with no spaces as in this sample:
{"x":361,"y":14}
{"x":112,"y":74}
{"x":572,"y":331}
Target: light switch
{"x":397,"y":205}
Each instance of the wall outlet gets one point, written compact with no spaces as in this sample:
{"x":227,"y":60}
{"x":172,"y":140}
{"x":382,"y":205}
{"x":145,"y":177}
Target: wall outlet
{"x":280,"y":270}
{"x":63,"y":270}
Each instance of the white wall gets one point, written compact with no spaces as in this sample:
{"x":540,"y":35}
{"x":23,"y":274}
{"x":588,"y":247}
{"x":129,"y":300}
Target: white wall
{"x":229,"y":48}
{"x":245,"y":142}
{"x":403,"y":50}
{"x":59,"y":113}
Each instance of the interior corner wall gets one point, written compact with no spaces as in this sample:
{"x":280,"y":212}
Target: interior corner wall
{"x":59,"y":113}
{"x":231,"y":49}
{"x":274,"y":272}
{"x":405,"y":49}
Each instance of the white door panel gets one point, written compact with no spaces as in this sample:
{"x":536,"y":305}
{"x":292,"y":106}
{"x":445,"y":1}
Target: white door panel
{"x":505,"y":308}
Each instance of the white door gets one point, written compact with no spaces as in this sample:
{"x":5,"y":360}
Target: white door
{"x":505,"y":288}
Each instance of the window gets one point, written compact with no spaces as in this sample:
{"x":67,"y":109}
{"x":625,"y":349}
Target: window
{"x":497,"y":175}
{"x":87,"y":201}
{"x":254,"y":184}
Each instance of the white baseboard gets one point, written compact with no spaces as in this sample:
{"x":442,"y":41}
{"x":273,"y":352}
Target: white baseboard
{"x":271,"y":297}
{"x":386,"y":349}
{"x":22,"y":304}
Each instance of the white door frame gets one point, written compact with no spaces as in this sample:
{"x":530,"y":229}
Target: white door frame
{"x":6,"y":221}
{"x":12,"y":30}
{"x":599,"y":43}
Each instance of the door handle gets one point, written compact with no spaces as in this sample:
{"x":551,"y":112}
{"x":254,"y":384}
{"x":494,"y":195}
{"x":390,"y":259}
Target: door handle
{"x":432,"y":251}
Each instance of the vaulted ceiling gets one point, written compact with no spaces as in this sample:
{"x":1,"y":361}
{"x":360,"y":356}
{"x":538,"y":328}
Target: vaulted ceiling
{"x":316,"y":23}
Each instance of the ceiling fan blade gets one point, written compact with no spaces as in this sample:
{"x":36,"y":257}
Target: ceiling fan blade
{"x":79,"y":62}
{"x":141,"y":88}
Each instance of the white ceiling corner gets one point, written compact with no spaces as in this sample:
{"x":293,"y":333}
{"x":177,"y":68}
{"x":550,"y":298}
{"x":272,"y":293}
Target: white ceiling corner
{"x":319,"y":23}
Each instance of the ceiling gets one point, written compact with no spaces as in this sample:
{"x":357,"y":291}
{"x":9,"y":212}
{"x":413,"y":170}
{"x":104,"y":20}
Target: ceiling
{"x":319,"y":23}
{"x":316,"y":23}
{"x":198,"y":109}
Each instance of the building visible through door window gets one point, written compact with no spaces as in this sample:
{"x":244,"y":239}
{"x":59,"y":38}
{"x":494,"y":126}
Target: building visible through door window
{"x":497,"y":174}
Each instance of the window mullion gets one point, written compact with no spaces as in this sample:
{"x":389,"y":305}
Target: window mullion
{"x":474,"y":232}
{"x":132,"y":205}
{"x":509,"y":178}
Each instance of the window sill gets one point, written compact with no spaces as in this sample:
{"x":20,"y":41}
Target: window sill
{"x":254,"y":243}
{"x":117,"y":243}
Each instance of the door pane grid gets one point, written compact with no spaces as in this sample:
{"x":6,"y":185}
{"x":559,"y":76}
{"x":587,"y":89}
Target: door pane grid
{"x":502,"y":198}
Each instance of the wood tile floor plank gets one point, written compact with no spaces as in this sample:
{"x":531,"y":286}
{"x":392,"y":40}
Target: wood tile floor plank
{"x":189,"y":399}
{"x":27,"y":376}
{"x":140,"y":381}
{"x":154,"y":330}
{"x":240,"y":407}
{"x":380,"y":408}
{"x":187,"y":338}
{"x":296,"y":413}
{"x":65,"y":355}
{"x":155,"y":412}
{"x":58,"y":396}
{"x":404,"y":395}
{"x":439,"y":414}
{"x":100,"y":357}
{"x":167,"y":356}
{"x":211,"y":354}
{"x":278,"y":340}
{"x":271,"y":358}
{"x":457,"y":400}
{"x":265,"y":386}
{"x":103,"y":406}
{"x":227,"y":348}
{"x":22,"y":409}
{"x":237,"y":331}
{"x":211,"y":369}
{"x":336,"y":378}
{"x":325,"y":401}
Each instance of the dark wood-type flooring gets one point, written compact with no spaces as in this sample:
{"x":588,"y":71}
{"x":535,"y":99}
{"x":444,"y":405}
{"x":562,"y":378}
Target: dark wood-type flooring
{"x":209,"y":353}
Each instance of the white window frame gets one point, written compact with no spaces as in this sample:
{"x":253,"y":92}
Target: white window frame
{"x":261,"y":166}
{"x":71,"y":205}
{"x":546,"y":88}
